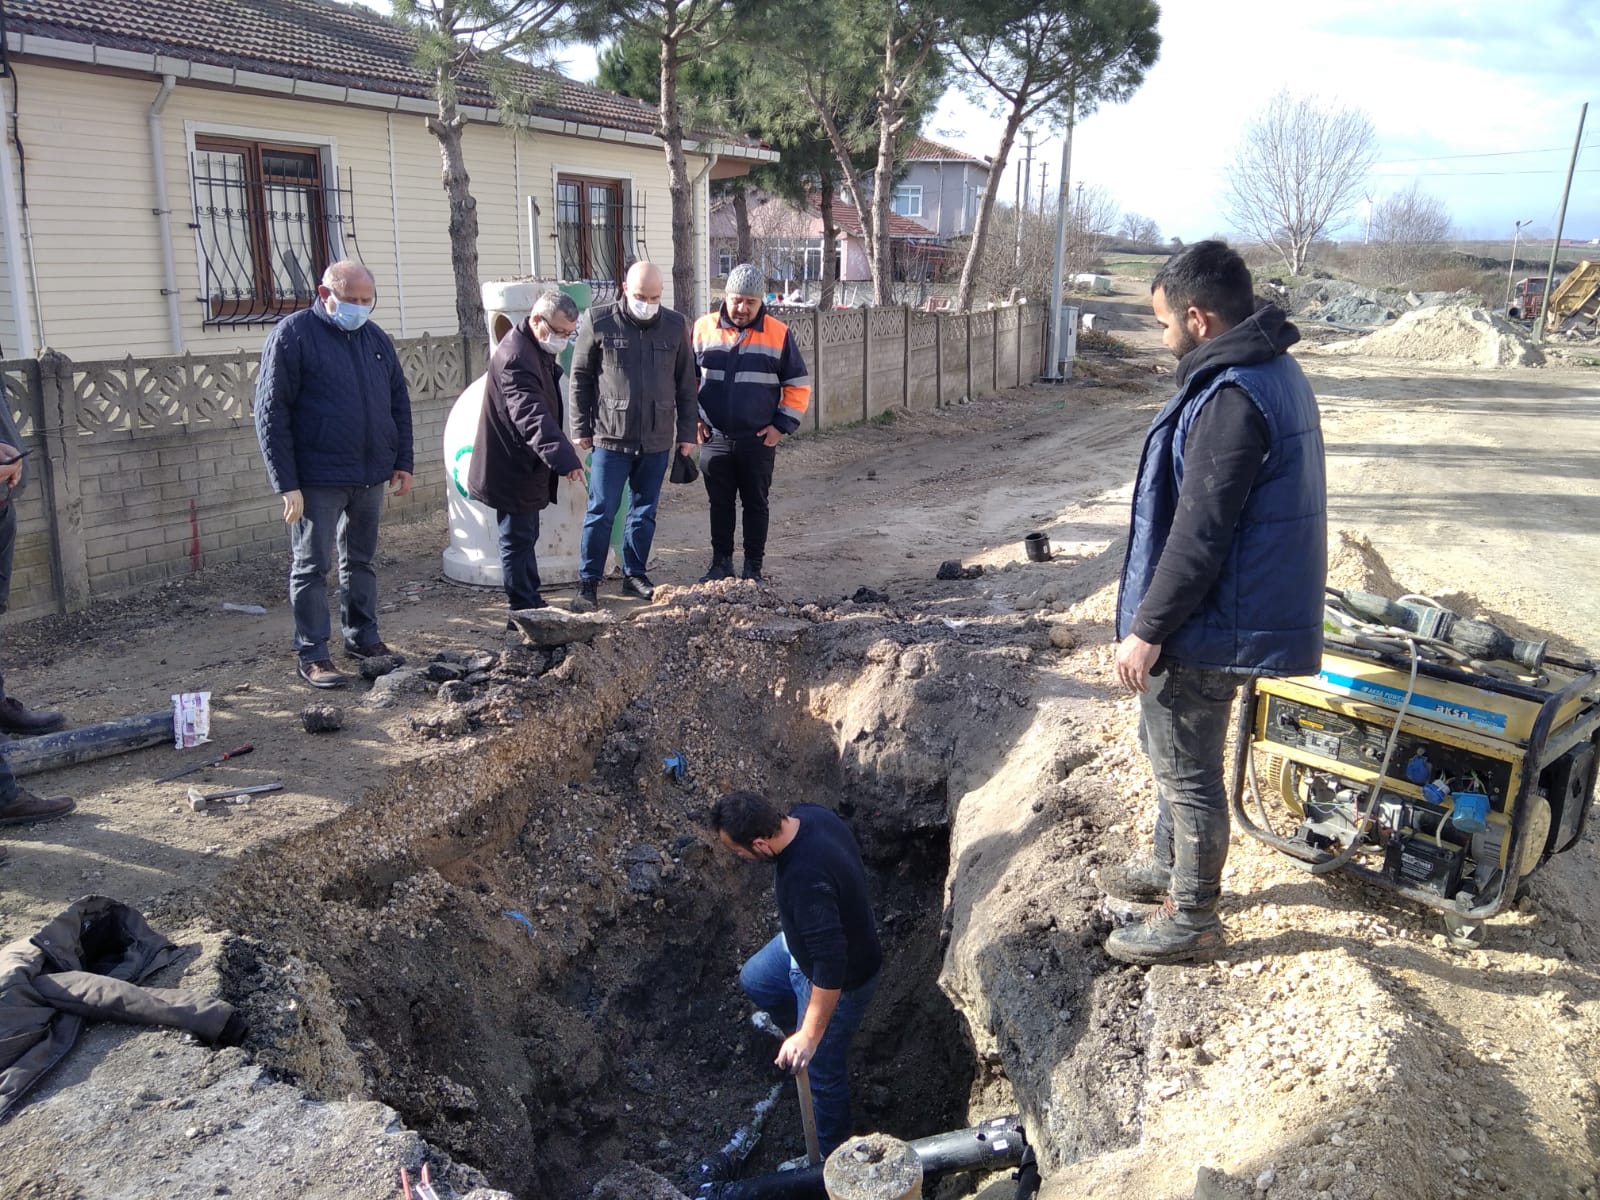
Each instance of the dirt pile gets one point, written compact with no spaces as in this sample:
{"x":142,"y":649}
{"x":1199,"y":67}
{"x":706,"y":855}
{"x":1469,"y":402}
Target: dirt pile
{"x":1453,"y":335}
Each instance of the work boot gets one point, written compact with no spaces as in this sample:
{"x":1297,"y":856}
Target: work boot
{"x":638,"y":585}
{"x":15,"y":718}
{"x":752,"y":569}
{"x":1168,"y":935}
{"x":373,"y":650}
{"x":721,"y":568}
{"x":28,"y":806}
{"x":1142,"y":881}
{"x":588,"y":597}
{"x":322,"y":674}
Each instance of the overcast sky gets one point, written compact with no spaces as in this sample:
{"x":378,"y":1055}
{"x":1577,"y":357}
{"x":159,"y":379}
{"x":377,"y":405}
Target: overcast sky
{"x":1475,"y":100}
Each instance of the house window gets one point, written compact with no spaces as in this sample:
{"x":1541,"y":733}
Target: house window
{"x":268,"y":222}
{"x":908,"y":200}
{"x":725,"y":263}
{"x":592,"y":230}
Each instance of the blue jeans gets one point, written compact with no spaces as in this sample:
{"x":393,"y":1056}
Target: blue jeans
{"x":348,"y":517}
{"x":519,"y":562}
{"x":772,"y":980}
{"x":609,"y":470}
{"x":1183,"y":726}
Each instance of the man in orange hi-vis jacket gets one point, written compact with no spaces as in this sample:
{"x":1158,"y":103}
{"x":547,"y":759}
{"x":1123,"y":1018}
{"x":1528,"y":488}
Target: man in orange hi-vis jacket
{"x":753,"y":390}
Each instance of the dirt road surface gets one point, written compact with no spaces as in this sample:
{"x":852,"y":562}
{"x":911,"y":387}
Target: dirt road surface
{"x":1484,"y":487}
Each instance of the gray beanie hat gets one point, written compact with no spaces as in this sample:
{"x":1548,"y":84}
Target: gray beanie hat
{"x":746,"y":281}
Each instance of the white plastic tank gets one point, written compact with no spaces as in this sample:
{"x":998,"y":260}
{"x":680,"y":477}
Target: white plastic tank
{"x":473,"y":555}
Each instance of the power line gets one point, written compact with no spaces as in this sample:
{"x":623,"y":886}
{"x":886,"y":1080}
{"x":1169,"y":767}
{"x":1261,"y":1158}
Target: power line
{"x":1391,"y":162}
{"x":1472,"y":174}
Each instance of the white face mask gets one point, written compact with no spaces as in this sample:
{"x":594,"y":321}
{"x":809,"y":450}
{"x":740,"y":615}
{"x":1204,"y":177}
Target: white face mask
{"x":553,"y":345}
{"x":642,"y":309}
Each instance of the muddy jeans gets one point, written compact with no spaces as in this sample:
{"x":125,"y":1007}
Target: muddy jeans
{"x":1183,"y":726}
{"x":774,"y":981}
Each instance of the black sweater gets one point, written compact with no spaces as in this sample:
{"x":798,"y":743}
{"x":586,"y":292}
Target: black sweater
{"x":1227,"y":444}
{"x":823,"y":904}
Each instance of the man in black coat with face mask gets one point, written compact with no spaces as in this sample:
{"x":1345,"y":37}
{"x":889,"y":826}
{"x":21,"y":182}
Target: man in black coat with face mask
{"x":521,"y":452}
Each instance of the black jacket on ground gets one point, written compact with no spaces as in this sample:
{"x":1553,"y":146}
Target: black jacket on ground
{"x":85,"y":965}
{"x":823,"y":904}
{"x":633,"y":382}
{"x":520,"y":452}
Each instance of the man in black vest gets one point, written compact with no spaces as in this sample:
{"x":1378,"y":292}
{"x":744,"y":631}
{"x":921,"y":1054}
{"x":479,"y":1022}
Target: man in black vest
{"x":818,"y":975}
{"x":1223,"y":581}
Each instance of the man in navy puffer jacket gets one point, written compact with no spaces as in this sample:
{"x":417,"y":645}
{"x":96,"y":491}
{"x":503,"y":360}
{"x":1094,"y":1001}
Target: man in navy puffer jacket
{"x":1226,"y":562}
{"x":334,"y":419}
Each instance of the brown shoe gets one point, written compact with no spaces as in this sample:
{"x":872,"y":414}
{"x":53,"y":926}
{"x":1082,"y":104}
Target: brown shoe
{"x":321,"y":674}
{"x":372,"y":650}
{"x":28,"y":806}
{"x":15,"y":718}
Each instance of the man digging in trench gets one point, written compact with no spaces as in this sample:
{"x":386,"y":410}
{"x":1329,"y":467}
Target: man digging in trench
{"x":818,"y":975}
{"x":1223,"y":580}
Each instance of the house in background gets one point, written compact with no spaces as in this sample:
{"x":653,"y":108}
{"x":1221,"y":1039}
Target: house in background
{"x":941,"y":187}
{"x":183,"y":170}
{"x":787,"y":239}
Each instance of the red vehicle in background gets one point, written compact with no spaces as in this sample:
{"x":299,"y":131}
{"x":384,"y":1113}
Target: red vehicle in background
{"x":1527,"y":299}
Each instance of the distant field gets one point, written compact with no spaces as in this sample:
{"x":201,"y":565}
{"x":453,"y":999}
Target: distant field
{"x":1134,"y":266}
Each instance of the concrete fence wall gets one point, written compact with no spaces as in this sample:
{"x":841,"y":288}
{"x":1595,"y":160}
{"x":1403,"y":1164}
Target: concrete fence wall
{"x":147,"y":469}
{"x":865,"y":362}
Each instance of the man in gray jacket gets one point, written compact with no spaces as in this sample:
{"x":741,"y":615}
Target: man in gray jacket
{"x":633,"y":398}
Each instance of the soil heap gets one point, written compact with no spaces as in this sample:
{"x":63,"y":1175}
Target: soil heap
{"x":1454,"y":335}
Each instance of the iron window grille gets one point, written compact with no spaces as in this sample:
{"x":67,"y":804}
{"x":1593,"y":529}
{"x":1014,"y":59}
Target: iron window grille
{"x":268,"y":222}
{"x":599,"y":232}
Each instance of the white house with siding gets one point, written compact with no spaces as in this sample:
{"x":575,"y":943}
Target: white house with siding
{"x":175,"y":174}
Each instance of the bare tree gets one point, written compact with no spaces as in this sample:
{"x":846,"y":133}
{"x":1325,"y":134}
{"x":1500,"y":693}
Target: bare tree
{"x":1407,"y":228}
{"x":453,"y":38}
{"x":1140,"y":229}
{"x":1300,"y":169}
{"x":1090,"y":223}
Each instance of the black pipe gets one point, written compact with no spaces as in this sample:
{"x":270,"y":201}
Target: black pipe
{"x":1028,"y":1180}
{"x":990,"y":1146}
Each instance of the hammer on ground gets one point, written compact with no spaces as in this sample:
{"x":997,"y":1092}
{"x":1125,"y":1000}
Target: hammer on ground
{"x":802,"y":1084}
{"x":199,"y":799}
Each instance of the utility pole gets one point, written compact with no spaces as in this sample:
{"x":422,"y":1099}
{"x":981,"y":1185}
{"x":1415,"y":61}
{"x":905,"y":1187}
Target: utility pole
{"x":1512,"y":273}
{"x":1044,"y":185}
{"x":1057,"y":283}
{"x":1367,"y":240}
{"x":1022,"y":190}
{"x":1561,"y":222}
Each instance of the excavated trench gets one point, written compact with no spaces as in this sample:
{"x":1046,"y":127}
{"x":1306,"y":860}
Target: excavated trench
{"x":530,"y":950}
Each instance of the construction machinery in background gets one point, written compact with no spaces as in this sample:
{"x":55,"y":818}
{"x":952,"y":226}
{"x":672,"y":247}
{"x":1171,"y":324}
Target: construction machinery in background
{"x":1436,"y":757}
{"x":1576,"y":297}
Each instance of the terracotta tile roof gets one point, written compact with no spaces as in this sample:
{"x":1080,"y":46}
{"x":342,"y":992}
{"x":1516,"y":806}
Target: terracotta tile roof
{"x":320,"y":41}
{"x":848,"y":220}
{"x":923,"y":149}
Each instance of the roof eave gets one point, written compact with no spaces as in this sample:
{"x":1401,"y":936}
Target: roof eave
{"x":87,"y":54}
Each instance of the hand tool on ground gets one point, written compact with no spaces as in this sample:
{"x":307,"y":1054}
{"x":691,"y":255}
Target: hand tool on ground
{"x":221,"y":758}
{"x":802,"y":1084}
{"x":199,"y":799}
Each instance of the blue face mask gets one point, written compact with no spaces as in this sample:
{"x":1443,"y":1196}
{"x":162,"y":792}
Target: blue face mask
{"x":349,"y":317}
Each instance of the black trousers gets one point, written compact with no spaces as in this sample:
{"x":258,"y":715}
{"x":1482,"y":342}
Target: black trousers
{"x":738,"y":470}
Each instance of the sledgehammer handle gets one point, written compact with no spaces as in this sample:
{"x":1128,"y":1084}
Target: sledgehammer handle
{"x":808,"y":1115}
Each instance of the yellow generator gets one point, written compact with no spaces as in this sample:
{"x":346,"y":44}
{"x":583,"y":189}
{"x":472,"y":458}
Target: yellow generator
{"x":1435,"y":757}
